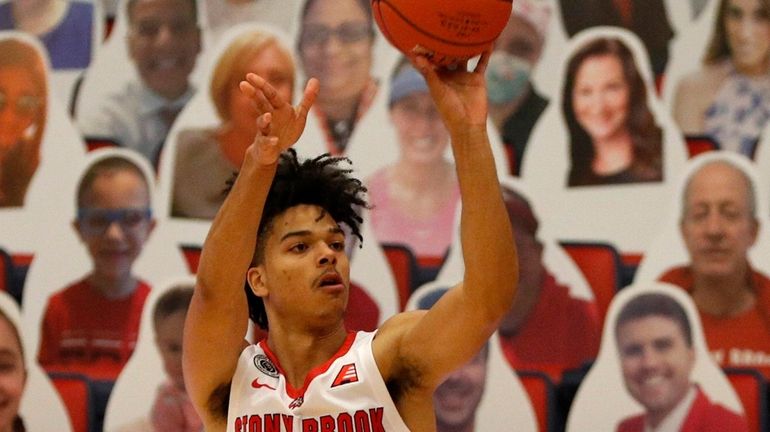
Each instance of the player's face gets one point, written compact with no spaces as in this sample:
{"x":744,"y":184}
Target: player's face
{"x":115,"y":223}
{"x":519,"y":38}
{"x":272,"y":64}
{"x":336,"y":47}
{"x":600,"y":97}
{"x":20,"y":105}
{"x":747,"y":28}
{"x":422,"y":136}
{"x":13,"y":375}
{"x":717,"y":225}
{"x":656,"y":362}
{"x":305,"y":274}
{"x":455,"y":401}
{"x":168,"y":338}
{"x":164,"y":41}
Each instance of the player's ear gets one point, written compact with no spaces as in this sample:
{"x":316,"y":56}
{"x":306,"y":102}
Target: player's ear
{"x":257,"y":280}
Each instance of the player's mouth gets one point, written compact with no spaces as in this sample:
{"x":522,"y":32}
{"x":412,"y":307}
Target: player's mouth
{"x":331,"y":281}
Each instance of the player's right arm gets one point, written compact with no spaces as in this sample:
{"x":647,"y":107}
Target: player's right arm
{"x":218,"y":315}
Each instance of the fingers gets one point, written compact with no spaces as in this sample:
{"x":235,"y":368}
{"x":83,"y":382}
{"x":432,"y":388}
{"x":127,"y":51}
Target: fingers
{"x":265,"y":96}
{"x":308,"y":98}
{"x":429,"y":72}
{"x":258,"y":100}
{"x":269,"y":92}
{"x":481,"y":66}
{"x":263,"y":123}
{"x":246,"y":88}
{"x":424,"y":66}
{"x":267,"y":148}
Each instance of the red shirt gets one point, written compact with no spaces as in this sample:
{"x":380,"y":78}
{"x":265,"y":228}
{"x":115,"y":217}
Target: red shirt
{"x":85,"y":332}
{"x":741,"y":341}
{"x":562,"y":332}
{"x":704,"y":416}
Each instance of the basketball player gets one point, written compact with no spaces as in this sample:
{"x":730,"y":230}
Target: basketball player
{"x":279,"y":228}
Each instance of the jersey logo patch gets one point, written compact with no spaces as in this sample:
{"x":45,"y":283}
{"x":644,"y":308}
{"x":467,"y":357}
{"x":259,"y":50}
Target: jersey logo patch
{"x":265,"y":365}
{"x":346,"y":375}
{"x":296,"y":403}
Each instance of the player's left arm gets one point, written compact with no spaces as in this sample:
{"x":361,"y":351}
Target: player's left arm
{"x":454,"y":329}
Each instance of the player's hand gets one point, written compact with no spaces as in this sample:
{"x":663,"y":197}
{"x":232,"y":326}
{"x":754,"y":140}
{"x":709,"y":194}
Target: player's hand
{"x":281,"y":124}
{"x":460,"y":95}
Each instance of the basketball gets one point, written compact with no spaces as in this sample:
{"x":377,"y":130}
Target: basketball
{"x":445,"y":31}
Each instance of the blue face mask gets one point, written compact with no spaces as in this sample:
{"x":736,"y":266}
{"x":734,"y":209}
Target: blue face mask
{"x":507,"y":77}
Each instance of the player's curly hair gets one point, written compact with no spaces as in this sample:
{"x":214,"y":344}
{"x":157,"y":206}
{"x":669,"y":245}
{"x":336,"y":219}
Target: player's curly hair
{"x":320,"y":182}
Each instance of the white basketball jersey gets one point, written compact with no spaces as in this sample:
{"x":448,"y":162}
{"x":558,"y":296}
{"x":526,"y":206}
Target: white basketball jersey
{"x":345,"y":394}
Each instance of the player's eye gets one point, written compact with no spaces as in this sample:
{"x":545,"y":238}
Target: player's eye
{"x":299,"y":247}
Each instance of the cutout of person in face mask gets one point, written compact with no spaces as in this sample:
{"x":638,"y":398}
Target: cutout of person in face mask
{"x":514,"y":104}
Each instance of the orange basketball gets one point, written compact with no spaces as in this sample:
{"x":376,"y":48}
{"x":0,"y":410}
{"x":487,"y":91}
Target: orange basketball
{"x":446,"y":31}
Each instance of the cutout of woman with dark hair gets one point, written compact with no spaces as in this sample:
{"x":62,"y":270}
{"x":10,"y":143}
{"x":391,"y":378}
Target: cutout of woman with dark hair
{"x":613,"y":134}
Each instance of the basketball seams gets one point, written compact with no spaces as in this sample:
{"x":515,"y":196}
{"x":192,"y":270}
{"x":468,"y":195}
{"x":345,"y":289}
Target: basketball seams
{"x":446,"y":31}
{"x":414,"y":26}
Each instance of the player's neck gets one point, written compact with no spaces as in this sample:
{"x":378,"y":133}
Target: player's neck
{"x":299,"y":352}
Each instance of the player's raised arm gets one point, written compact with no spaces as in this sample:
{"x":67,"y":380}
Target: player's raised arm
{"x":456,"y":327}
{"x":218,"y":316}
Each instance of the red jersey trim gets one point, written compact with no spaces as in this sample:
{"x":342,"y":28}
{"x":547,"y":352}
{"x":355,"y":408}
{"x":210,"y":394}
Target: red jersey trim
{"x":318,"y":370}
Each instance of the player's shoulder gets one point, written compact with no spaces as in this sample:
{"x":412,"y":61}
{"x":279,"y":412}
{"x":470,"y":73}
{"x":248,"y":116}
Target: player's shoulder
{"x":397,"y":325}
{"x":389,"y":336}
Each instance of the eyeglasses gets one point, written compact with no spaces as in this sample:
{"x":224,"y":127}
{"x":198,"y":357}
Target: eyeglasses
{"x":95,"y":221}
{"x":315,"y":35}
{"x":25,"y":104}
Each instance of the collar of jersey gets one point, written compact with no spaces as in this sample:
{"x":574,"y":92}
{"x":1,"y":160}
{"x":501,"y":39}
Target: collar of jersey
{"x":318,"y":370}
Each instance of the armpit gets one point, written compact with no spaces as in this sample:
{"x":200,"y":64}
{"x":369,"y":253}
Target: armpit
{"x":408,"y":377}
{"x":219,"y":400}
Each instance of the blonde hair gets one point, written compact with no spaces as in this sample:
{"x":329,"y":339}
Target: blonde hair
{"x":234,"y":62}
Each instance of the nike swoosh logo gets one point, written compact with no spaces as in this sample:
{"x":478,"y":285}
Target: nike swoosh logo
{"x":256,"y":384}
